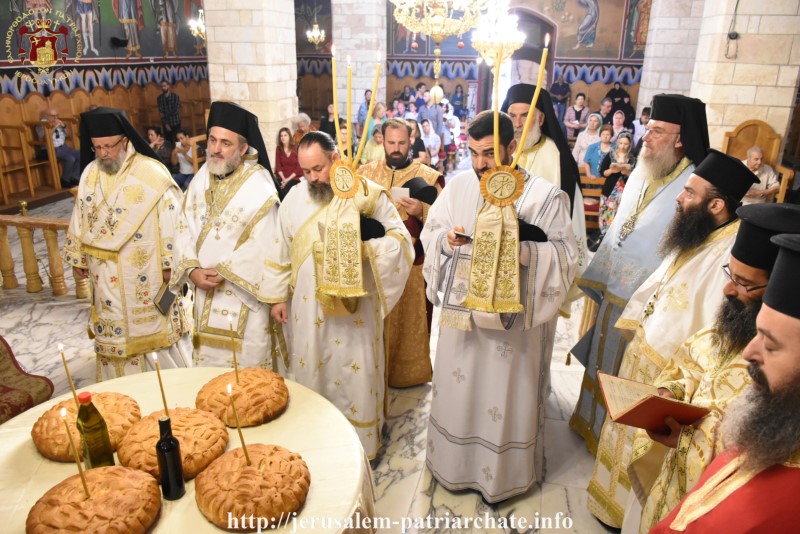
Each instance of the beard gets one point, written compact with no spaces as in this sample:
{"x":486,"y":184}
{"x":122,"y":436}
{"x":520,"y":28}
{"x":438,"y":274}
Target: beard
{"x":534,"y":134}
{"x":320,"y":192}
{"x":735,"y":325}
{"x":763,"y":425}
{"x":657,"y":165}
{"x":688,"y":229}
{"x":112,"y":166}
{"x":396,"y":159}
{"x":220,"y":167}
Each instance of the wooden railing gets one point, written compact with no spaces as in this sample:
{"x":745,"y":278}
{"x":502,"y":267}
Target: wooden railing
{"x":25,"y":229}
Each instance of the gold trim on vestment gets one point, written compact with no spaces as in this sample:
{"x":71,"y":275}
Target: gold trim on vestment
{"x":302,"y":245}
{"x":216,"y":205}
{"x":260,"y":214}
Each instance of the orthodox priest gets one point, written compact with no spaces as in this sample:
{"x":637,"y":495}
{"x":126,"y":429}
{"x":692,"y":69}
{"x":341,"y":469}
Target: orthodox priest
{"x":709,"y":371}
{"x":345,"y":258}
{"x":231,"y":235}
{"x":121,"y":235}
{"x":499,"y":245}
{"x":546,"y":153}
{"x":680,"y":297}
{"x":676,"y":141}
{"x":752,"y":486}
{"x":406,"y":333}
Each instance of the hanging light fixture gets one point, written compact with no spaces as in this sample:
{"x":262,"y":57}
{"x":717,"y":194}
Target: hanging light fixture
{"x":438,"y":18}
{"x":315,"y":35}
{"x":198,"y":26}
{"x":496,"y":38}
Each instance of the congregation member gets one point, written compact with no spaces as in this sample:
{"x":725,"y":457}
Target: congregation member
{"x":576,"y":116}
{"x":560,"y":93}
{"x":545,"y":153}
{"x":628,"y":254}
{"x":485,"y":430}
{"x":618,"y":125}
{"x":640,"y":126}
{"x":327,"y":123}
{"x":605,"y":110}
{"x":287,"y":168}
{"x":69,"y":157}
{"x":589,"y":136}
{"x":615,"y":168}
{"x":373,"y":148}
{"x":432,"y":142}
{"x":406,"y":332}
{"x":708,"y":371}
{"x":182,"y":157}
{"x":418,"y":151}
{"x":121,"y":235}
{"x":169,"y":107}
{"x":768,"y":183}
{"x":335,"y":342}
{"x":432,"y":112}
{"x":302,"y":125}
{"x":162,"y":147}
{"x":679,"y":298}
{"x":752,"y":485}
{"x":597,"y":152}
{"x":231,"y":235}
{"x":361,"y":114}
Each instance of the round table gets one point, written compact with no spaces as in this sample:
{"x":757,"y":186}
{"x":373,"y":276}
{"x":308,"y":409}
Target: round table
{"x":341,"y":484}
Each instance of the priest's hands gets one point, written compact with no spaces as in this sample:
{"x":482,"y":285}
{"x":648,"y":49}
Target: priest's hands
{"x":371,"y":229}
{"x":412,"y":206}
{"x":531,"y":232}
{"x":167,"y":275}
{"x":280,"y":313}
{"x":455,"y":241}
{"x":670,"y":439}
{"x":77,"y":272}
{"x":206,"y":279}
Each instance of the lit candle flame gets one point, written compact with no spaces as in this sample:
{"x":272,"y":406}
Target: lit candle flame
{"x":333,"y":50}
{"x":546,"y":40}
{"x":60,"y":346}
{"x":63,"y":413}
{"x":230,"y":389}
{"x":155,"y":358}
{"x":348,"y":60}
{"x":230,"y":319}
{"x":378,"y":56}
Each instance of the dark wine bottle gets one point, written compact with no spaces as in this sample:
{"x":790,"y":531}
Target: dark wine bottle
{"x":168,"y":451}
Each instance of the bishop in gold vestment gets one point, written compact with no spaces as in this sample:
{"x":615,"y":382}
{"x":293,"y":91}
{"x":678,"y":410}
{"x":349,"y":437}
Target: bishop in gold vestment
{"x":121,"y":235}
{"x":406,"y":331}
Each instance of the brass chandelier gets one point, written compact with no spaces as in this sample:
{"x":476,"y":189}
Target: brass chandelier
{"x":496,"y":38}
{"x":438,"y":18}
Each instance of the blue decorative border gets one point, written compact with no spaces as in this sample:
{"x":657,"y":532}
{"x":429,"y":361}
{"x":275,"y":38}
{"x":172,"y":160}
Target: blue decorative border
{"x":466,"y":70}
{"x":603,"y":73}
{"x":88,"y":78}
{"x":314,"y":66}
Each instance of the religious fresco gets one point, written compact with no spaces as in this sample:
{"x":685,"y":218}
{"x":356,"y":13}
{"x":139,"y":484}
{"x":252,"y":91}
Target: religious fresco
{"x":638,"y":19}
{"x":65,"y":44}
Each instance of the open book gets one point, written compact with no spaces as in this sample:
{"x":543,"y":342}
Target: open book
{"x":637,"y":404}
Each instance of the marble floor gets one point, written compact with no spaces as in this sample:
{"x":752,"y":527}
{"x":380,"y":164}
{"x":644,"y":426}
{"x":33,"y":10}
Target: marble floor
{"x":34,"y":324}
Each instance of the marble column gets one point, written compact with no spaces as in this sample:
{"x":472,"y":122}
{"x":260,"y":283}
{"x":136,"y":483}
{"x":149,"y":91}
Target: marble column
{"x":359,"y":29}
{"x":252,"y":59}
{"x":669,"y":57}
{"x":754,"y":76}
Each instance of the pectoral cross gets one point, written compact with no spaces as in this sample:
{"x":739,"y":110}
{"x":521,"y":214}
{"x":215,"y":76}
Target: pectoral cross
{"x":650,"y":308}
{"x":627,"y":227}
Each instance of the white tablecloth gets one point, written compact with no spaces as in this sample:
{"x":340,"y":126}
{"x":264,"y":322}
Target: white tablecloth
{"x":311,"y":426}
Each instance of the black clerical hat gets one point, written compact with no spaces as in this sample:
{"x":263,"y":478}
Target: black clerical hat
{"x":783,"y":289}
{"x":107,"y":122}
{"x":726,"y":173}
{"x":421,"y":190}
{"x":759,"y":223}
{"x":690,"y":114}
{"x":522,"y":93}
{"x":237,"y":119}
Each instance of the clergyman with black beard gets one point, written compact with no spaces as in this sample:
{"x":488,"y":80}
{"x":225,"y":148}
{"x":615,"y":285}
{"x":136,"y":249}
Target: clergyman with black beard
{"x":678,"y":299}
{"x":752,"y":485}
{"x":708,"y":370}
{"x":407,"y":343}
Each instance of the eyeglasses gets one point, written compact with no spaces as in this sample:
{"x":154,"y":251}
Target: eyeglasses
{"x":107,"y":148}
{"x":657,"y":133}
{"x":727,"y":269}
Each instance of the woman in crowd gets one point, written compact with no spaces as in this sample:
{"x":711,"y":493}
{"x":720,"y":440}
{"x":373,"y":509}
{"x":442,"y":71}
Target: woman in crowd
{"x":182,"y":157}
{"x":615,"y":168}
{"x":327,"y":123}
{"x":618,"y":125}
{"x":577,"y":115}
{"x":596,"y":152}
{"x":302,"y":125}
{"x":589,"y":136}
{"x":417,"y":151}
{"x":457,"y":100}
{"x":617,"y":94}
{"x":378,"y":117}
{"x":373,"y":150}
{"x":286,"y":166}
{"x":162,"y":147}
{"x":411,"y":113}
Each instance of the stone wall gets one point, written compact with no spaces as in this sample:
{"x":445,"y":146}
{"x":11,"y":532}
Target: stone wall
{"x":672,"y":44}
{"x":252,"y":59}
{"x":758,"y":79}
{"x":359,"y":29}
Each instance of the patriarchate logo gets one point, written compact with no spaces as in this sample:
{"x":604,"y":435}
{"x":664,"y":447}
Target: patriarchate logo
{"x":43,"y":43}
